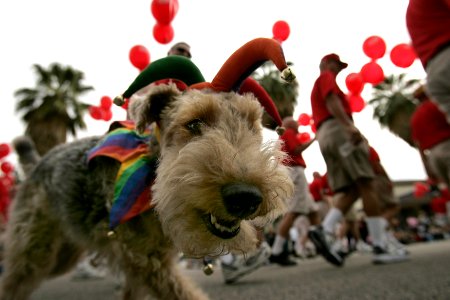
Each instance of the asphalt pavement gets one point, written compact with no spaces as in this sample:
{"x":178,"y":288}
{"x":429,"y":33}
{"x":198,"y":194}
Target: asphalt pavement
{"x":425,"y":276}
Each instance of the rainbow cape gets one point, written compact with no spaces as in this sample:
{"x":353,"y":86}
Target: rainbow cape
{"x":132,"y":189}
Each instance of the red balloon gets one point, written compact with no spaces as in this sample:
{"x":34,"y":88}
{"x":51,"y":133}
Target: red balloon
{"x":304,"y":119}
{"x":403,"y":55}
{"x":163,"y":34}
{"x":281,"y":31}
{"x":105,"y":102}
{"x":139,"y":57}
{"x":372,"y":73}
{"x":106,"y":114}
{"x":95,"y":112}
{"x":6,"y":167}
{"x":420,"y":189}
{"x":357,"y":103}
{"x":164,"y":11}
{"x":354,"y":83}
{"x":7,"y":181}
{"x":303,"y":137}
{"x":4,"y":150}
{"x":374,"y":47}
{"x":4,"y":190}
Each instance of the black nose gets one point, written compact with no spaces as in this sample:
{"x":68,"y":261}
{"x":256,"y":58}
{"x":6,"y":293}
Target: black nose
{"x":240,"y":199}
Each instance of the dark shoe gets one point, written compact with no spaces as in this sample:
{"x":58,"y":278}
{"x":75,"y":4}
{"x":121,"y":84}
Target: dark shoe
{"x":282,"y":259}
{"x":324,"y":246}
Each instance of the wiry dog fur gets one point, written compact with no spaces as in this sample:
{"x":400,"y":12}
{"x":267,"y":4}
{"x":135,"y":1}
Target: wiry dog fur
{"x":212,"y":163}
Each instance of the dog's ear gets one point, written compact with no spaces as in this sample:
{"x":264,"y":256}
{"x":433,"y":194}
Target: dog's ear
{"x":147,"y":104}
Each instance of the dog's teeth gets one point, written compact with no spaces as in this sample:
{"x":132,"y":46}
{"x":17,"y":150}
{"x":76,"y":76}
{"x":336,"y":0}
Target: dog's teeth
{"x":220,"y":227}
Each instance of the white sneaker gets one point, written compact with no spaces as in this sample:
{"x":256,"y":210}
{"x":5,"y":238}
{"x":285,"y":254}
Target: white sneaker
{"x":363,"y":247}
{"x":85,"y":271}
{"x":387,"y":256}
{"x":395,"y":245}
{"x":242,"y":265}
{"x":323,"y":242}
{"x":340,"y":245}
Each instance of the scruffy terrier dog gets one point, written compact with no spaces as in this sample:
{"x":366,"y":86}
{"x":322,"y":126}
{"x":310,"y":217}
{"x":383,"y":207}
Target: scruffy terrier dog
{"x":215,"y":181}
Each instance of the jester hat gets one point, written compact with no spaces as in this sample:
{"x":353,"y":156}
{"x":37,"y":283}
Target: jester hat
{"x":232,"y":76}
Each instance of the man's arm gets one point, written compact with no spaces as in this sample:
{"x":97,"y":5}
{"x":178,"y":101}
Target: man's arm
{"x":302,"y":147}
{"x":335,"y":108}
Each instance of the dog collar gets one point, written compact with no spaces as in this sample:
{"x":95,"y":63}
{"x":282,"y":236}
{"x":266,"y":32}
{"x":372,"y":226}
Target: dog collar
{"x":137,"y":172}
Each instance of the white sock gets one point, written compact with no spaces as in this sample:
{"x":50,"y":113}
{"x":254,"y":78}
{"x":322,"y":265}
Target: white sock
{"x":377,"y":230}
{"x":330,"y":221}
{"x":385,"y":223}
{"x":278,"y":244}
{"x":227,"y":258}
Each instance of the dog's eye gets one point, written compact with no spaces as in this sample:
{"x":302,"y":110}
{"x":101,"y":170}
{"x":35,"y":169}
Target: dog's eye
{"x":195,"y":126}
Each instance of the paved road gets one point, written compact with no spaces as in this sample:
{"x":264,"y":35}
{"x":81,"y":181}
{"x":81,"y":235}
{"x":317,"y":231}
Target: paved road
{"x":425,"y":276}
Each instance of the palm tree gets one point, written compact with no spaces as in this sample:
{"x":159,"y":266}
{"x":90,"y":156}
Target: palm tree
{"x":394,"y":104}
{"x":52,"y":108}
{"x":284,"y":94}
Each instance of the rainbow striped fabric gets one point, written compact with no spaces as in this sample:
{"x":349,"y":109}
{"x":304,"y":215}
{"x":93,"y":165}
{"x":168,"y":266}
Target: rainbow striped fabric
{"x":132,"y":190}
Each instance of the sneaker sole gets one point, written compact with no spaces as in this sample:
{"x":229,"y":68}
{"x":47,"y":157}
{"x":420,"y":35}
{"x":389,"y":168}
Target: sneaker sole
{"x":243,"y":273}
{"x":319,"y":243}
{"x":248,"y":269}
{"x":391,"y":260}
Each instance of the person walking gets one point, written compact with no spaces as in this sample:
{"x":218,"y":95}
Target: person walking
{"x":430,"y":133}
{"x":350,"y":173}
{"x":180,"y":48}
{"x":428,"y":23}
{"x":318,"y":190}
{"x":302,"y":203}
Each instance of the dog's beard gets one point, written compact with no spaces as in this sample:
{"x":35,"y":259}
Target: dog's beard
{"x":191,"y":236}
{"x":188,"y":187}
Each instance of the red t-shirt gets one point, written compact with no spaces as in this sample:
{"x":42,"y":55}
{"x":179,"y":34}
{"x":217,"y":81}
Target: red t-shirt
{"x":373,"y":155}
{"x":315,"y":188}
{"x":429,"y":126}
{"x":439,"y":204}
{"x":324,"y":85}
{"x":428,"y":23}
{"x":290,"y":140}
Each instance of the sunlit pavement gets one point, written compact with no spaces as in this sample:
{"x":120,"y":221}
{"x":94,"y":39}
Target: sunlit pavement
{"x":425,"y":276}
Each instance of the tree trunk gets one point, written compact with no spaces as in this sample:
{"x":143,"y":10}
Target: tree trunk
{"x":47,"y":133}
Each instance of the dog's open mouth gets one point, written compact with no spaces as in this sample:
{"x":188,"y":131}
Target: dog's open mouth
{"x":222,"y":228}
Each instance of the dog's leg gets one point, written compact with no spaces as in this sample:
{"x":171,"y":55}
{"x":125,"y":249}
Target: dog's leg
{"x":33,"y":246}
{"x":163,"y":280}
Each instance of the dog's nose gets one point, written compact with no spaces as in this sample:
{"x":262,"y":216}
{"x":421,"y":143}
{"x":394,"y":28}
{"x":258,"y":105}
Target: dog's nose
{"x":241,"y":200}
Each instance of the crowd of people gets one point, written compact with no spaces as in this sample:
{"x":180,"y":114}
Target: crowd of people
{"x":352,"y":207}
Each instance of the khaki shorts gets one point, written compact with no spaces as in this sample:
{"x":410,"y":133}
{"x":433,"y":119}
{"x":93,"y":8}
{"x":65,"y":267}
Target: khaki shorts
{"x":345,"y":163}
{"x":438,"y":80}
{"x":439,"y":160}
{"x":302,"y":202}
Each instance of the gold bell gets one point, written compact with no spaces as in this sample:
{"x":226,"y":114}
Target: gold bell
{"x":119,"y":101}
{"x":288,"y":75}
{"x":208,"y":269}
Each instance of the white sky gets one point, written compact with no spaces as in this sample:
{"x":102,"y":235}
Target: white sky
{"x":96,"y":36}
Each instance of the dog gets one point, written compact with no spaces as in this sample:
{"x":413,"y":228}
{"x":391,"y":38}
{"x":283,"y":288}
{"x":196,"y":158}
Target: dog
{"x":214,"y":180}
